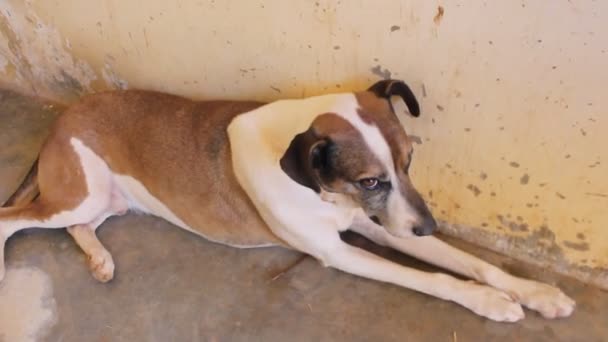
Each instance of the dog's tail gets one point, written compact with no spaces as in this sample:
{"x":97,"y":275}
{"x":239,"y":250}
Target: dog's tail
{"x":27,"y":191}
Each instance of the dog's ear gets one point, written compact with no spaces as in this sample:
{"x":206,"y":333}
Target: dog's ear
{"x":319,"y":156}
{"x":306,"y":159}
{"x":387,"y":88}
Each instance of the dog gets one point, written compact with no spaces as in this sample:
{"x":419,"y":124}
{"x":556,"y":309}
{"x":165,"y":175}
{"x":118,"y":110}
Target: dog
{"x":292,"y":173}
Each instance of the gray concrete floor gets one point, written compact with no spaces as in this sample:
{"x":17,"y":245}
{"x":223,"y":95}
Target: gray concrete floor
{"x":171,"y":285}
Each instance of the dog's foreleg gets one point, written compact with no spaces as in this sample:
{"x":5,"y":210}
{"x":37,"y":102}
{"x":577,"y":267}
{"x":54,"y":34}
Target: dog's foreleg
{"x":483,"y":300}
{"x":548,"y":300}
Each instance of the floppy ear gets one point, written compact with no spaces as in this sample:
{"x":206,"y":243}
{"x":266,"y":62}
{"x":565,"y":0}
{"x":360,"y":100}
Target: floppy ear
{"x":387,"y":88}
{"x":306,"y":159}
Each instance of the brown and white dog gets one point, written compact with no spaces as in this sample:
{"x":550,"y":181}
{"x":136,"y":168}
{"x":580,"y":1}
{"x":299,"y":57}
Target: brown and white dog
{"x":293,"y":173}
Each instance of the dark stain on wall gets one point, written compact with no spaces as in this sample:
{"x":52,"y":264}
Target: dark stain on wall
{"x":539,"y":247}
{"x":578,"y":246}
{"x":512,"y":225}
{"x":378,"y":71}
{"x":475,"y":190}
{"x":69,"y":83}
{"x":415,"y":139}
{"x":439,"y":15}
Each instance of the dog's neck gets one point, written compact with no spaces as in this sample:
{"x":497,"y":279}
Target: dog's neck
{"x":258,"y":140}
{"x":279,"y":122}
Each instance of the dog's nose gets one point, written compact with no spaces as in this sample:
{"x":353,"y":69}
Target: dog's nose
{"x":427,"y":227}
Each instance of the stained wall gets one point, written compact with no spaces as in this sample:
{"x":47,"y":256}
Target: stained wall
{"x":511,"y":148}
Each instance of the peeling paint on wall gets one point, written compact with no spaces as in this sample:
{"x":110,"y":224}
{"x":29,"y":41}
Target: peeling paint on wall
{"x":39,"y":55}
{"x":110,"y":76}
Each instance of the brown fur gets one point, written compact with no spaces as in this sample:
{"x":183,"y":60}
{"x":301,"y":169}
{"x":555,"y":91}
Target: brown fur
{"x":177,"y":148}
{"x":349,"y":158}
{"x":60,"y":180}
{"x":378,"y":111}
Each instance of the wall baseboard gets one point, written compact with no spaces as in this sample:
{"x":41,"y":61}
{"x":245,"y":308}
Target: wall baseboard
{"x":538,"y":248}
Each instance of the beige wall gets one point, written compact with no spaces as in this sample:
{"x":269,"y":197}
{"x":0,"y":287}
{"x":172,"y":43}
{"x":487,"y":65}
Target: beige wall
{"x":513,"y":145}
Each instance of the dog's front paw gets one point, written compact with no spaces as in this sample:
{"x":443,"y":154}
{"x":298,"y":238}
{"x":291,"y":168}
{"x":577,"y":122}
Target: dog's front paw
{"x":494,"y":304}
{"x":548,"y":300}
{"x":101,"y":265}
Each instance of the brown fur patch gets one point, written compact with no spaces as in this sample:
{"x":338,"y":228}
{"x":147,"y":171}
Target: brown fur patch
{"x":60,"y":180}
{"x":377,"y":111}
{"x":343,"y":157}
{"x":177,"y":148}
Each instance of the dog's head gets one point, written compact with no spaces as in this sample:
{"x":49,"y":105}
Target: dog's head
{"x":363,"y":160}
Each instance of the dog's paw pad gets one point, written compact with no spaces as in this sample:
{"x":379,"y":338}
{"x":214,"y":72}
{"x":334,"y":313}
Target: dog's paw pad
{"x":101,"y":266}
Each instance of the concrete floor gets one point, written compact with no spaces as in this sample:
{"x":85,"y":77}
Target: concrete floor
{"x":171,"y":285}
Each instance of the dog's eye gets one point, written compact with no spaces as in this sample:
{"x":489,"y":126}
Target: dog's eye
{"x":369,"y":183}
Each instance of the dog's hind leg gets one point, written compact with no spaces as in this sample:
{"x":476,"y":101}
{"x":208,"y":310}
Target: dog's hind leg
{"x":550,"y":301}
{"x":99,"y":260}
{"x":40,"y":214}
{"x":75,"y":188}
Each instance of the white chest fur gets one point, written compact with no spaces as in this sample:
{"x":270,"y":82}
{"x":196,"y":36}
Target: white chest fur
{"x":258,"y":140}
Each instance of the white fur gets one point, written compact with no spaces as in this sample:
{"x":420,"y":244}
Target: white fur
{"x":312,"y":224}
{"x":98,"y":181}
{"x":140,"y":199}
{"x":303,"y":219}
{"x":548,"y":300}
{"x":258,"y":140}
{"x":401,"y":216}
